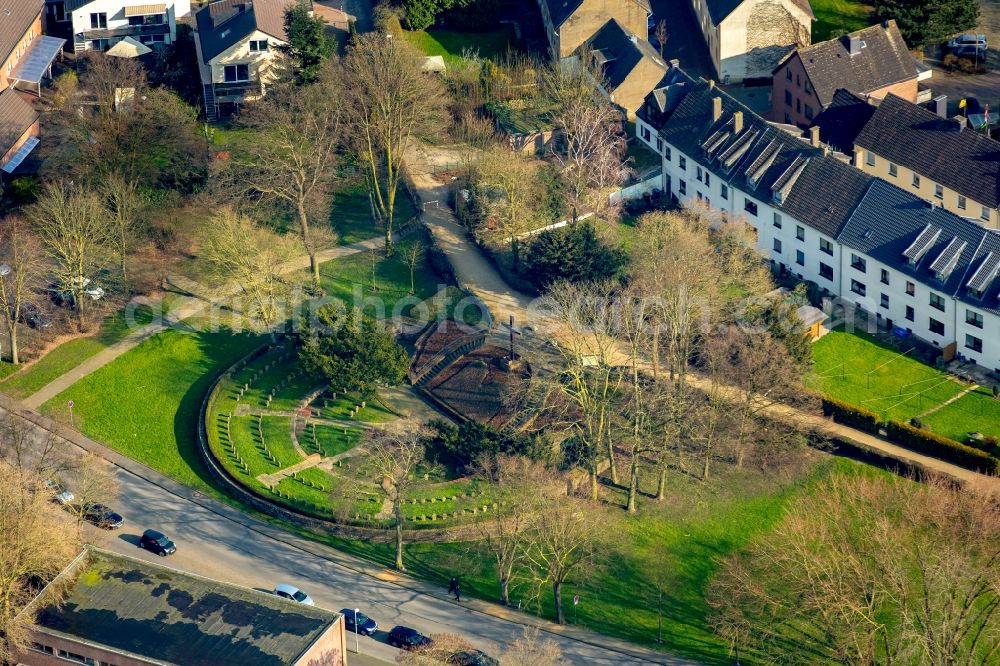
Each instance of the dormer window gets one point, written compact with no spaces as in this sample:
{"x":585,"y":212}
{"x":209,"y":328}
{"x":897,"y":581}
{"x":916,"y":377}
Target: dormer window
{"x":258,"y":46}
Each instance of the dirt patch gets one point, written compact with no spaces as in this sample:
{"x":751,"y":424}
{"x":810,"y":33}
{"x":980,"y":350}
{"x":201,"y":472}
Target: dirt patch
{"x":477,"y":384}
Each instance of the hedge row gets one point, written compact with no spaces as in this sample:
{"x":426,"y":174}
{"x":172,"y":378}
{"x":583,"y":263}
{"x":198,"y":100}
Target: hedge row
{"x":941,"y":447}
{"x":915,"y":439}
{"x":849,"y":415}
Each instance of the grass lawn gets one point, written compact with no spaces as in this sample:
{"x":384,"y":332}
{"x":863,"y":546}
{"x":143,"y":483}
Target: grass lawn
{"x":452,"y":45}
{"x":856,"y":368}
{"x":974,"y":411}
{"x":350,"y":279}
{"x":73,"y":352}
{"x":146,"y":403}
{"x":351,"y":215}
{"x":839,"y":17}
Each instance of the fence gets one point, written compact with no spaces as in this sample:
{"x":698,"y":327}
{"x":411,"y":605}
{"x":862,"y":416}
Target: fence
{"x":638,"y":190}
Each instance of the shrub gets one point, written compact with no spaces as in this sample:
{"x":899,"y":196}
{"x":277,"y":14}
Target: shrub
{"x":996,"y":390}
{"x":572,"y":253}
{"x":458,"y":447}
{"x":917,"y":423}
{"x":849,"y":415}
{"x":941,"y":447}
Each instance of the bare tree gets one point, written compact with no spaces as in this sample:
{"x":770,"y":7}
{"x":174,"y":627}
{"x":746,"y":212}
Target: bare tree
{"x":871,"y":569}
{"x":508,"y":186}
{"x":31,"y":449}
{"x":21,"y":272}
{"x":239,"y":251}
{"x":36,"y":543}
{"x":661,"y":33}
{"x":532,"y":649}
{"x":393,"y":461}
{"x":518,"y":487}
{"x":563,"y":545}
{"x":439,"y":652}
{"x":293,"y":157}
{"x":390,"y":101}
{"x":96,"y":482}
{"x":72,"y":226}
{"x":124,"y":202}
{"x":412,"y":254}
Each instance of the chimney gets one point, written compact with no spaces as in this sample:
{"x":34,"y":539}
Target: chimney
{"x":854,"y":45}
{"x":939,"y":105}
{"x":814,"y":136}
{"x":711,"y":84}
{"x":959,"y":122}
{"x":737,"y":122}
{"x":675,"y":64}
{"x":716,"y":108}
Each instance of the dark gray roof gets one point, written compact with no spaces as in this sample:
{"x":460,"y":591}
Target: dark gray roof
{"x":758,"y":160}
{"x":16,"y":116}
{"x":560,"y":10}
{"x":841,"y":122}
{"x":890,"y":224}
{"x":966,"y":161}
{"x":227,"y":22}
{"x":145,"y":609}
{"x":718,"y":10}
{"x":984,"y":275}
{"x":16,"y":16}
{"x":884,"y":60}
{"x":619,"y":52}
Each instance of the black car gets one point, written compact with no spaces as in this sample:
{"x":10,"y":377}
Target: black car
{"x":157,"y":543}
{"x":472,"y":658}
{"x":34,"y":317}
{"x":102,"y":516}
{"x":365,"y":625}
{"x":407,"y":639}
{"x":971,"y":52}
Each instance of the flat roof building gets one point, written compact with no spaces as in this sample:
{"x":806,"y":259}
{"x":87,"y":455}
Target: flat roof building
{"x":124,"y":611}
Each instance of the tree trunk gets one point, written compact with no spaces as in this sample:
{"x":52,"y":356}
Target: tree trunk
{"x":557,"y":597}
{"x":398,"y":511}
{"x":633,"y":483}
{"x":655,"y":352}
{"x":593,"y":484}
{"x":307,"y":243}
{"x":124,"y":273}
{"x":12,"y":336}
{"x":505,"y":591}
{"x":661,"y":486}
{"x":705,"y":463}
{"x":612,"y":467}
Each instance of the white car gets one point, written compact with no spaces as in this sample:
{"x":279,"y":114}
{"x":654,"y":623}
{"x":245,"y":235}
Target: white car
{"x":286,"y":591}
{"x":59,"y":492}
{"x":967,"y":40}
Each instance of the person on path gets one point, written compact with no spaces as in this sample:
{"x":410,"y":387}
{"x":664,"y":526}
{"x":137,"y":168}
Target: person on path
{"x":458,"y":592}
{"x":452,"y":585}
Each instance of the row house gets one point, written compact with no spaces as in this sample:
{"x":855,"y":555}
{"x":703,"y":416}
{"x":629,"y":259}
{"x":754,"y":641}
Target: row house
{"x":97,"y":25}
{"x":570,"y":23}
{"x":809,"y":209}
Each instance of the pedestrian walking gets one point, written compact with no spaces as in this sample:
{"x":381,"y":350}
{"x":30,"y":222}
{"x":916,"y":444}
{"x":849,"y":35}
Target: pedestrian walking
{"x":452,"y":585}
{"x":458,"y":592}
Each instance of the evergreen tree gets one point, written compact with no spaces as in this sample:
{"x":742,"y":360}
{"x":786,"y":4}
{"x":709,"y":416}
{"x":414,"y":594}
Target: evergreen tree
{"x":924,"y":22}
{"x":307,"y":43}
{"x":573,"y":253}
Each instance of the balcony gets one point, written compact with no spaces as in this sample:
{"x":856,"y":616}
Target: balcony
{"x":124,"y":31}
{"x":237,"y":90}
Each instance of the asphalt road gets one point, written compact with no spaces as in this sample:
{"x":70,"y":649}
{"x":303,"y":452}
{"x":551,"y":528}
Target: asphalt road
{"x":215,"y":546}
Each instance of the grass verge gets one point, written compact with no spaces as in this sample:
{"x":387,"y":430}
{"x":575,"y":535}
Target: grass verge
{"x":839,"y":17}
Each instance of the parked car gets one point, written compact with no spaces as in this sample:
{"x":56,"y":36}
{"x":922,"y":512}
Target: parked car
{"x":365,"y":625}
{"x":286,"y":591}
{"x":102,"y":516}
{"x":971,"y":52}
{"x":406,"y":638}
{"x":967,"y":40}
{"x":59,"y":492}
{"x":158,"y":543}
{"x":35,"y":317}
{"x":65,"y":293}
{"x":472,"y":658}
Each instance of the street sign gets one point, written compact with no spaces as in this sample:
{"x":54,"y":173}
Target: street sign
{"x":576,"y":599}
{"x":70,"y":404}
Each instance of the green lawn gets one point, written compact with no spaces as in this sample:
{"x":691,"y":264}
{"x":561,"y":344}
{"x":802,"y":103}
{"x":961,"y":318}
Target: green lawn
{"x":856,"y":368}
{"x":839,"y":17}
{"x":350,"y":280}
{"x":73,"y":352}
{"x":146,"y":403}
{"x":351,"y":216}
{"x":453,"y":45}
{"x":974,"y":411}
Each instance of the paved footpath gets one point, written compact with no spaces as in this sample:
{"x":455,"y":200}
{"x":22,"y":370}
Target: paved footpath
{"x":187,"y":307}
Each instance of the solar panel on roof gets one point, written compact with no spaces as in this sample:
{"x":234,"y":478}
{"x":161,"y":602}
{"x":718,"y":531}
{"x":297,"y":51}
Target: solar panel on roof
{"x":21,"y":153}
{"x":36,"y":61}
{"x":946,"y":261}
{"x":987,"y":270}
{"x":922,"y":243}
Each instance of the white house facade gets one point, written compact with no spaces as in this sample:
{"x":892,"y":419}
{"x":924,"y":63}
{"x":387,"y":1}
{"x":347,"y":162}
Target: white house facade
{"x":917,"y":268}
{"x":100,"y":24}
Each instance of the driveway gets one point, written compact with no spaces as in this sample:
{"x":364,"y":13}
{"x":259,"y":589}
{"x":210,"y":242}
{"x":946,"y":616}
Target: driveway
{"x":684,"y":38}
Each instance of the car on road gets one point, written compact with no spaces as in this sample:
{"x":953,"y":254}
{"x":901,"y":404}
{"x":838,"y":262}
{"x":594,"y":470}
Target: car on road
{"x":286,"y":591}
{"x":967,"y":40}
{"x":155,"y":542}
{"x":59,"y":492}
{"x":471,"y":658}
{"x":406,"y":638}
{"x":365,"y":625}
{"x":100,"y":515}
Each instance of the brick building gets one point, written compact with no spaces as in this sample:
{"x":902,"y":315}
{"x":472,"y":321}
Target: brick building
{"x":570,"y":23}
